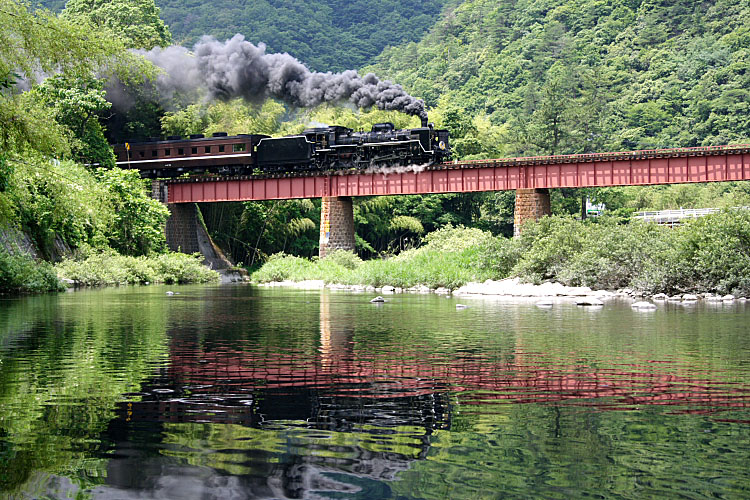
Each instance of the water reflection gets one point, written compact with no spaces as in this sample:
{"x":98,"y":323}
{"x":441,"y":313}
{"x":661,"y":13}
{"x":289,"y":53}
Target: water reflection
{"x":233,"y":392}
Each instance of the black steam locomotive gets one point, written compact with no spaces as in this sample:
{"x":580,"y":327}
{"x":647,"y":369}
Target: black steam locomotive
{"x":316,"y":149}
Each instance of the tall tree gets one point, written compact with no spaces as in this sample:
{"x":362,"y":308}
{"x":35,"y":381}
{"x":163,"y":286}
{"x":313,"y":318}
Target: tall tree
{"x":136,"y":22}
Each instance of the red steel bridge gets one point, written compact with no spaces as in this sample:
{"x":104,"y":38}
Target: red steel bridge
{"x":530,"y":177}
{"x":633,"y":168}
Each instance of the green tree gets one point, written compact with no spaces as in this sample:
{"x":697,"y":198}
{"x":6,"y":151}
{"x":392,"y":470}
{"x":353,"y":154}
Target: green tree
{"x":77,"y":103}
{"x":138,"y":223}
{"x":41,"y":43}
{"x":136,"y":22}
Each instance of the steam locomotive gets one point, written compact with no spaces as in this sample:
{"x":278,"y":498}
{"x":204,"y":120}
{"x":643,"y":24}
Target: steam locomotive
{"x":315,"y":149}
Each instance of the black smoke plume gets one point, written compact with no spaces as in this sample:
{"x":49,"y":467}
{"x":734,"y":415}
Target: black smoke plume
{"x":238,"y":68}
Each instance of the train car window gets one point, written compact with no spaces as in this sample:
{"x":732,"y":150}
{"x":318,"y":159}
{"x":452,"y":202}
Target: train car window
{"x":238,"y":147}
{"x":167,"y":152}
{"x":180,"y":151}
{"x":207,"y":149}
{"x":153,"y":153}
{"x":195,"y":151}
{"x":141,"y":153}
{"x":221,"y":148}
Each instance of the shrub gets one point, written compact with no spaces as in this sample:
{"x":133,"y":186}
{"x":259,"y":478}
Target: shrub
{"x":111,"y":268}
{"x":546,"y":245}
{"x":344,"y":258}
{"x":617,"y":256}
{"x":22,"y":274}
{"x":281,"y":267}
{"x":711,"y":254}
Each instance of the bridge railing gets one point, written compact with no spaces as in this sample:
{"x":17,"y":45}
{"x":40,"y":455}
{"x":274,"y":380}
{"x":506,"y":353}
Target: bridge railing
{"x":590,"y":157}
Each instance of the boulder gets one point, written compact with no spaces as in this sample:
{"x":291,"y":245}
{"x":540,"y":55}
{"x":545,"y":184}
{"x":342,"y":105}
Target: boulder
{"x":643,"y":305}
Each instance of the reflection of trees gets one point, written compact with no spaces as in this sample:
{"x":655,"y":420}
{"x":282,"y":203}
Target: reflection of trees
{"x":303,"y":393}
{"x":65,"y":365}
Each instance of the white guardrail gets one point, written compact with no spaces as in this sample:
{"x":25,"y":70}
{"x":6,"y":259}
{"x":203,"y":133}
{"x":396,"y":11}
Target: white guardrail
{"x":672,"y":217}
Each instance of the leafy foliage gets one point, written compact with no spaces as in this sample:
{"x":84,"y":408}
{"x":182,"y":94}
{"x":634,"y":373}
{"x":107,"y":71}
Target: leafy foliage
{"x":22,"y":274}
{"x":138,"y":223}
{"x":111,"y":268}
{"x":63,"y":199}
{"x":76,"y":104}
{"x":136,"y":22}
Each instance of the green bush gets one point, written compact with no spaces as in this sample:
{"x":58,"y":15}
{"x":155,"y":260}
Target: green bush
{"x":344,"y":258}
{"x":617,"y":256}
{"x":711,"y":254}
{"x":111,"y":268}
{"x":22,"y":274}
{"x":451,"y":257}
{"x":281,"y":267}
{"x":546,"y":246}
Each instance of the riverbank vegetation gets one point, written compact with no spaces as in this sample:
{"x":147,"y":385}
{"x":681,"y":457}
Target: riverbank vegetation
{"x":511,"y":79}
{"x":110,"y":268}
{"x":52,"y":150}
{"x":710,"y":254}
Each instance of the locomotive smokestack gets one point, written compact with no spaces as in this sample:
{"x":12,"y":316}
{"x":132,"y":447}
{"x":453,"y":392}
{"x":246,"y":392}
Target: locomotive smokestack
{"x":237,"y":68}
{"x":424,"y":120}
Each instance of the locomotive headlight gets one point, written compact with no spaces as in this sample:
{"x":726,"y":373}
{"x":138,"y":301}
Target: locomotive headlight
{"x":442,"y":145}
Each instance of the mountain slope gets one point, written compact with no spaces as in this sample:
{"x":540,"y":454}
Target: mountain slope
{"x":327,"y":35}
{"x":582,"y":75}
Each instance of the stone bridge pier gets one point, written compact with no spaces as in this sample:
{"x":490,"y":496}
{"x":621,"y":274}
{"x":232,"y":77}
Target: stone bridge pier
{"x":336,"y":225}
{"x":531,"y":205}
{"x":186,"y":232}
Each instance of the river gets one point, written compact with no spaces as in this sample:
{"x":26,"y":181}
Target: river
{"x":233,"y":392}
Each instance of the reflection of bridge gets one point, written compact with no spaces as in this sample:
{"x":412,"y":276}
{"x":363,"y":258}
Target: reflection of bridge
{"x":531,"y":177}
{"x":409,"y":386}
{"x":342,"y":409}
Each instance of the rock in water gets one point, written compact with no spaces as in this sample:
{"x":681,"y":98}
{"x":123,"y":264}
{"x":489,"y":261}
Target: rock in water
{"x":643,"y":306}
{"x":378,"y":300}
{"x":589,"y":301}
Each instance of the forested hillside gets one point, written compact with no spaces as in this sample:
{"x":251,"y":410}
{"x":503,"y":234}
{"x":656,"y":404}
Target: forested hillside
{"x":327,"y":35}
{"x":588,"y":75}
{"x":506,"y":78}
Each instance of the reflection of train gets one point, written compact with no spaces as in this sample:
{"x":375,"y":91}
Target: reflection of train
{"x":315,"y":149}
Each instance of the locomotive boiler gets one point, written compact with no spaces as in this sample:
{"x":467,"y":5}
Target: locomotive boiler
{"x":330,"y":148}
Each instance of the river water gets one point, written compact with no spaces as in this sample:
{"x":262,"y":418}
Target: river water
{"x":234,"y":392}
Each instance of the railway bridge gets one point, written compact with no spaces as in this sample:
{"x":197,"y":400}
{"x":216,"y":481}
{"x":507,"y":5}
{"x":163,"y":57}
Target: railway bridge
{"x":530,"y":177}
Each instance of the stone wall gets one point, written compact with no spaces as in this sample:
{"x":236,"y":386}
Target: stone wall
{"x":336,"y":225}
{"x":182,"y":227}
{"x":186,"y":233}
{"x":159,"y":190}
{"x":531,"y":204}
